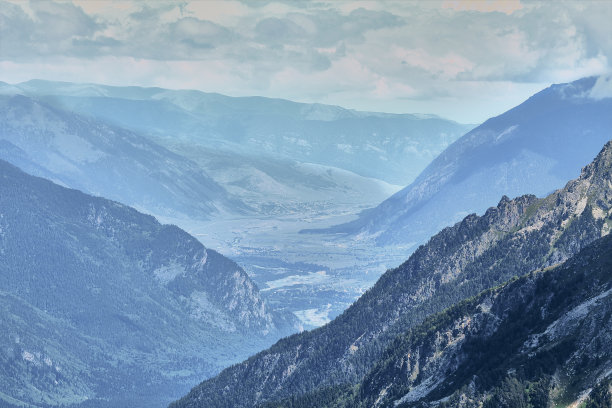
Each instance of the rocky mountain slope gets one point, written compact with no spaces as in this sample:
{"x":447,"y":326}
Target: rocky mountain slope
{"x":533,"y":148}
{"x":104,"y":306}
{"x":105,"y":160}
{"x":477,"y":253}
{"x":544,"y":339}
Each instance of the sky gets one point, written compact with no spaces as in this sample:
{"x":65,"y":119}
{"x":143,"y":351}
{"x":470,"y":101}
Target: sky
{"x":462,"y":60}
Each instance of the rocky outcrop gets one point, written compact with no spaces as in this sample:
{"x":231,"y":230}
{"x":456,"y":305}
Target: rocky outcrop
{"x":541,"y":340}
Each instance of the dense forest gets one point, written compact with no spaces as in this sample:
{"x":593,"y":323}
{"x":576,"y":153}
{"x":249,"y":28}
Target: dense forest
{"x":482,"y":350}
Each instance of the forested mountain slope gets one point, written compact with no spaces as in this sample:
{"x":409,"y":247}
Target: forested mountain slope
{"x":541,"y":340}
{"x":104,"y":305}
{"x":480,"y":252}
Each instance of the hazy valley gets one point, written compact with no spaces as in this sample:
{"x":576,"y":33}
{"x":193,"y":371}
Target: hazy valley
{"x":308,"y":269}
{"x":249,"y":202}
{"x":305,"y":204}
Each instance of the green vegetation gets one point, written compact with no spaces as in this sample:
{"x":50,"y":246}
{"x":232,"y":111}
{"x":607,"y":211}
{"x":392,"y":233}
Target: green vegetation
{"x":340,"y":396}
{"x":601,"y":395}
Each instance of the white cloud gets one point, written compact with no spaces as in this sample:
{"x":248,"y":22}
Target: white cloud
{"x":602,"y":88}
{"x":447,"y":66}
{"x":484,"y":6}
{"x":444,"y":57}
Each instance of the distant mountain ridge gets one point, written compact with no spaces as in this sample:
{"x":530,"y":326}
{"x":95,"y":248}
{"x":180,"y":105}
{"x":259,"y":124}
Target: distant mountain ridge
{"x":257,"y":126}
{"x":105,"y":160}
{"x":480,"y":252}
{"x":100,"y":300}
{"x":533,"y":148}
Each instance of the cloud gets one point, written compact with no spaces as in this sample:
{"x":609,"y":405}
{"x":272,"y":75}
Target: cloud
{"x":484,"y":6}
{"x":47,"y":28}
{"x":447,"y":66}
{"x":276,"y":31}
{"x":602,"y":88}
{"x":332,"y":27}
{"x":324,"y":27}
{"x":379,"y":55}
{"x":148,"y":13}
{"x":199,"y":33}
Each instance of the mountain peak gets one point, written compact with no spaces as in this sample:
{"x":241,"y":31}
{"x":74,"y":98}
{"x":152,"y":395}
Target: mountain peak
{"x":601,"y":165}
{"x":533,"y":148}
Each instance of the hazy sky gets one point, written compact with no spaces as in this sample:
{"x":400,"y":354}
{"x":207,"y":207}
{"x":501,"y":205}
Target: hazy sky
{"x":465,"y":60}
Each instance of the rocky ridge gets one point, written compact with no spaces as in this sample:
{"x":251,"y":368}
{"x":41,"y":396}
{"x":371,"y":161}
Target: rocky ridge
{"x":511,"y":239}
{"x":540,"y":340}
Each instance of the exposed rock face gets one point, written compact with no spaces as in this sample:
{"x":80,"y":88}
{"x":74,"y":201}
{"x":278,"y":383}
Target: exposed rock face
{"x":550,"y":328}
{"x":509,"y":240}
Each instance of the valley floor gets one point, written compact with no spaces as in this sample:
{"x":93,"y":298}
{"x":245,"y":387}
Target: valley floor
{"x":315,"y":276}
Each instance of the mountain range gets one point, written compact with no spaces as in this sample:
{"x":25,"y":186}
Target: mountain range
{"x":543,"y":339}
{"x":510,"y":240}
{"x":401,"y":144}
{"x":533,"y":148}
{"x":104,"y":306}
{"x":105,"y":160}
{"x":275,"y":155}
